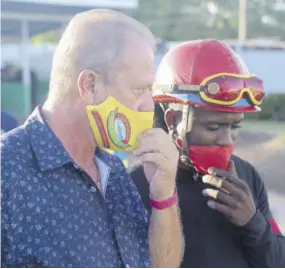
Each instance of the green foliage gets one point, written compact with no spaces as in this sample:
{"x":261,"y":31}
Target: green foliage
{"x":49,"y":37}
{"x":273,"y":108}
{"x":179,"y":20}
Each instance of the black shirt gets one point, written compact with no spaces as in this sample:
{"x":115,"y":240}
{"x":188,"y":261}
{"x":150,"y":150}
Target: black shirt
{"x":213,"y":241}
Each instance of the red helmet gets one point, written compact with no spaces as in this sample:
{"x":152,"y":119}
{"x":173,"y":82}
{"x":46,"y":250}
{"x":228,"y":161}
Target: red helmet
{"x":207,"y":74}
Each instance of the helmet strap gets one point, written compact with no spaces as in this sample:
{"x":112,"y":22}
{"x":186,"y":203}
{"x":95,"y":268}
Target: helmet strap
{"x":187,"y":121}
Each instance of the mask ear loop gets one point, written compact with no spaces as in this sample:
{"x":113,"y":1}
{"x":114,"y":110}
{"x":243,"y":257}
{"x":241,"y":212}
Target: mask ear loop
{"x":187,"y":114}
{"x":187,"y":123}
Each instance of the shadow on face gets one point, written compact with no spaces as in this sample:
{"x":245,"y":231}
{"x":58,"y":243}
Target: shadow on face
{"x":214,"y":128}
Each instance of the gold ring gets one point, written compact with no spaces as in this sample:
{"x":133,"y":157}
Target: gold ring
{"x":219,"y":182}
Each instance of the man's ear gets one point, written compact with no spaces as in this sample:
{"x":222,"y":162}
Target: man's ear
{"x":172,"y":119}
{"x":87,"y":80}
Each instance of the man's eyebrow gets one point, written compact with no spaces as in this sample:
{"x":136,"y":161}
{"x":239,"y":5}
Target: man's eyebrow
{"x":212,"y":122}
{"x":239,"y":121}
{"x":143,"y":86}
{"x":220,"y":122}
{"x":149,"y":85}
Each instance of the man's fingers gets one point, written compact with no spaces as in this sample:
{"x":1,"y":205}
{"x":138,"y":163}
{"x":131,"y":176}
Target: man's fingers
{"x":228,"y":176}
{"x":226,"y":210}
{"x":156,"y":136}
{"x":213,"y":180}
{"x":232,"y":168}
{"x":150,"y":148}
{"x":151,"y":132}
{"x":221,"y":196}
{"x":160,"y":144}
{"x":223,"y":184}
{"x":155,"y":157}
{"x":146,"y":148}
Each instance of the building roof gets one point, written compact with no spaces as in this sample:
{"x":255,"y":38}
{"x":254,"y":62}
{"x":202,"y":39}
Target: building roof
{"x":45,"y":15}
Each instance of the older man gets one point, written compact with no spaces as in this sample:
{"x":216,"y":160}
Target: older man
{"x":65,"y":201}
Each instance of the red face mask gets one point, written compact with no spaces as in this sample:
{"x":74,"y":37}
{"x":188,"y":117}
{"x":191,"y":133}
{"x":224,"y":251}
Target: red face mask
{"x":204,"y":157}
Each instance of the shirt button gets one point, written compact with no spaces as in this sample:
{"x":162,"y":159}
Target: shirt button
{"x":93,"y":189}
{"x":75,"y":166}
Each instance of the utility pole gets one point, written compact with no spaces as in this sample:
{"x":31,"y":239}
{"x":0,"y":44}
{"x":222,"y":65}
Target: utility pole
{"x":242,"y":21}
{"x":241,"y":25}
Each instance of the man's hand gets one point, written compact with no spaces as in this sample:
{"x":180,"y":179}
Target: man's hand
{"x":232,"y":197}
{"x":159,"y":156}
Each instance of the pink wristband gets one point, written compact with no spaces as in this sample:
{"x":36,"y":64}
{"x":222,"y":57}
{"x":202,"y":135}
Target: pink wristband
{"x":165,"y":203}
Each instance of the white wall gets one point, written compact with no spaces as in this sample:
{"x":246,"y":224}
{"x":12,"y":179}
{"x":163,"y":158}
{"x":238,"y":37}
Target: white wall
{"x":267,"y":64}
{"x":40,"y":57}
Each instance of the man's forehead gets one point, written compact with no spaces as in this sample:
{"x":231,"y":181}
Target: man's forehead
{"x":136,"y":45}
{"x":140,"y":67}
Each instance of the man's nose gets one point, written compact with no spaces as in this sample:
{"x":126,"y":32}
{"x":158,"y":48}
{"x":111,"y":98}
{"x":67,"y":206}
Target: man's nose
{"x":225,"y":138}
{"x":146,"y":103}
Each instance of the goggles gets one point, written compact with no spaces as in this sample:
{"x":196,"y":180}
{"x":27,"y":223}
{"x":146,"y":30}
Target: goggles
{"x":224,"y":89}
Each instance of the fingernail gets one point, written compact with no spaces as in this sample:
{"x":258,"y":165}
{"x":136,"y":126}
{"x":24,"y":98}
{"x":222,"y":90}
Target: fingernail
{"x":205,"y":179}
{"x":140,"y":136}
{"x":211,"y":204}
{"x":205,"y":192}
{"x":210,"y":170}
{"x":143,"y":133}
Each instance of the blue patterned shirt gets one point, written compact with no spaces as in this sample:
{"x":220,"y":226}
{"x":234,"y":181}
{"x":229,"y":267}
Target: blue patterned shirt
{"x":52,"y":212}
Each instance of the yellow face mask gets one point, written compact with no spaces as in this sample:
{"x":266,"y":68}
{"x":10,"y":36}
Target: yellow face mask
{"x":117,"y":127}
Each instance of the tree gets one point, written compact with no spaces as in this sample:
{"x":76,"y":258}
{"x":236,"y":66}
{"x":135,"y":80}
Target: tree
{"x":178,"y":20}
{"x":193,"y":19}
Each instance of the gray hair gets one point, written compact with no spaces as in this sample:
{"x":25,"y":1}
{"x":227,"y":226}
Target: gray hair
{"x":94,"y":39}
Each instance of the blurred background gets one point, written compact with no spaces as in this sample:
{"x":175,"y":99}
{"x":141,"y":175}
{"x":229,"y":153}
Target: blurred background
{"x":30,"y":30}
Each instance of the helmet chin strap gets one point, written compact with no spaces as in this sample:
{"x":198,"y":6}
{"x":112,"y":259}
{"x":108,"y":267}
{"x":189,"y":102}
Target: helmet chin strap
{"x":187,"y":121}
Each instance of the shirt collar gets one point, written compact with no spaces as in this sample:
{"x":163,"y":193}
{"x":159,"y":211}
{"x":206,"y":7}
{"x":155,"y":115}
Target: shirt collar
{"x":48,"y":149}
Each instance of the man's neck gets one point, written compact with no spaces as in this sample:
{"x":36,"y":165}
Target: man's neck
{"x":73,"y":130}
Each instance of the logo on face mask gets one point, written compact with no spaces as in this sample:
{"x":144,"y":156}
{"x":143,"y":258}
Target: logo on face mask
{"x":102,"y":130}
{"x":119,"y":129}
